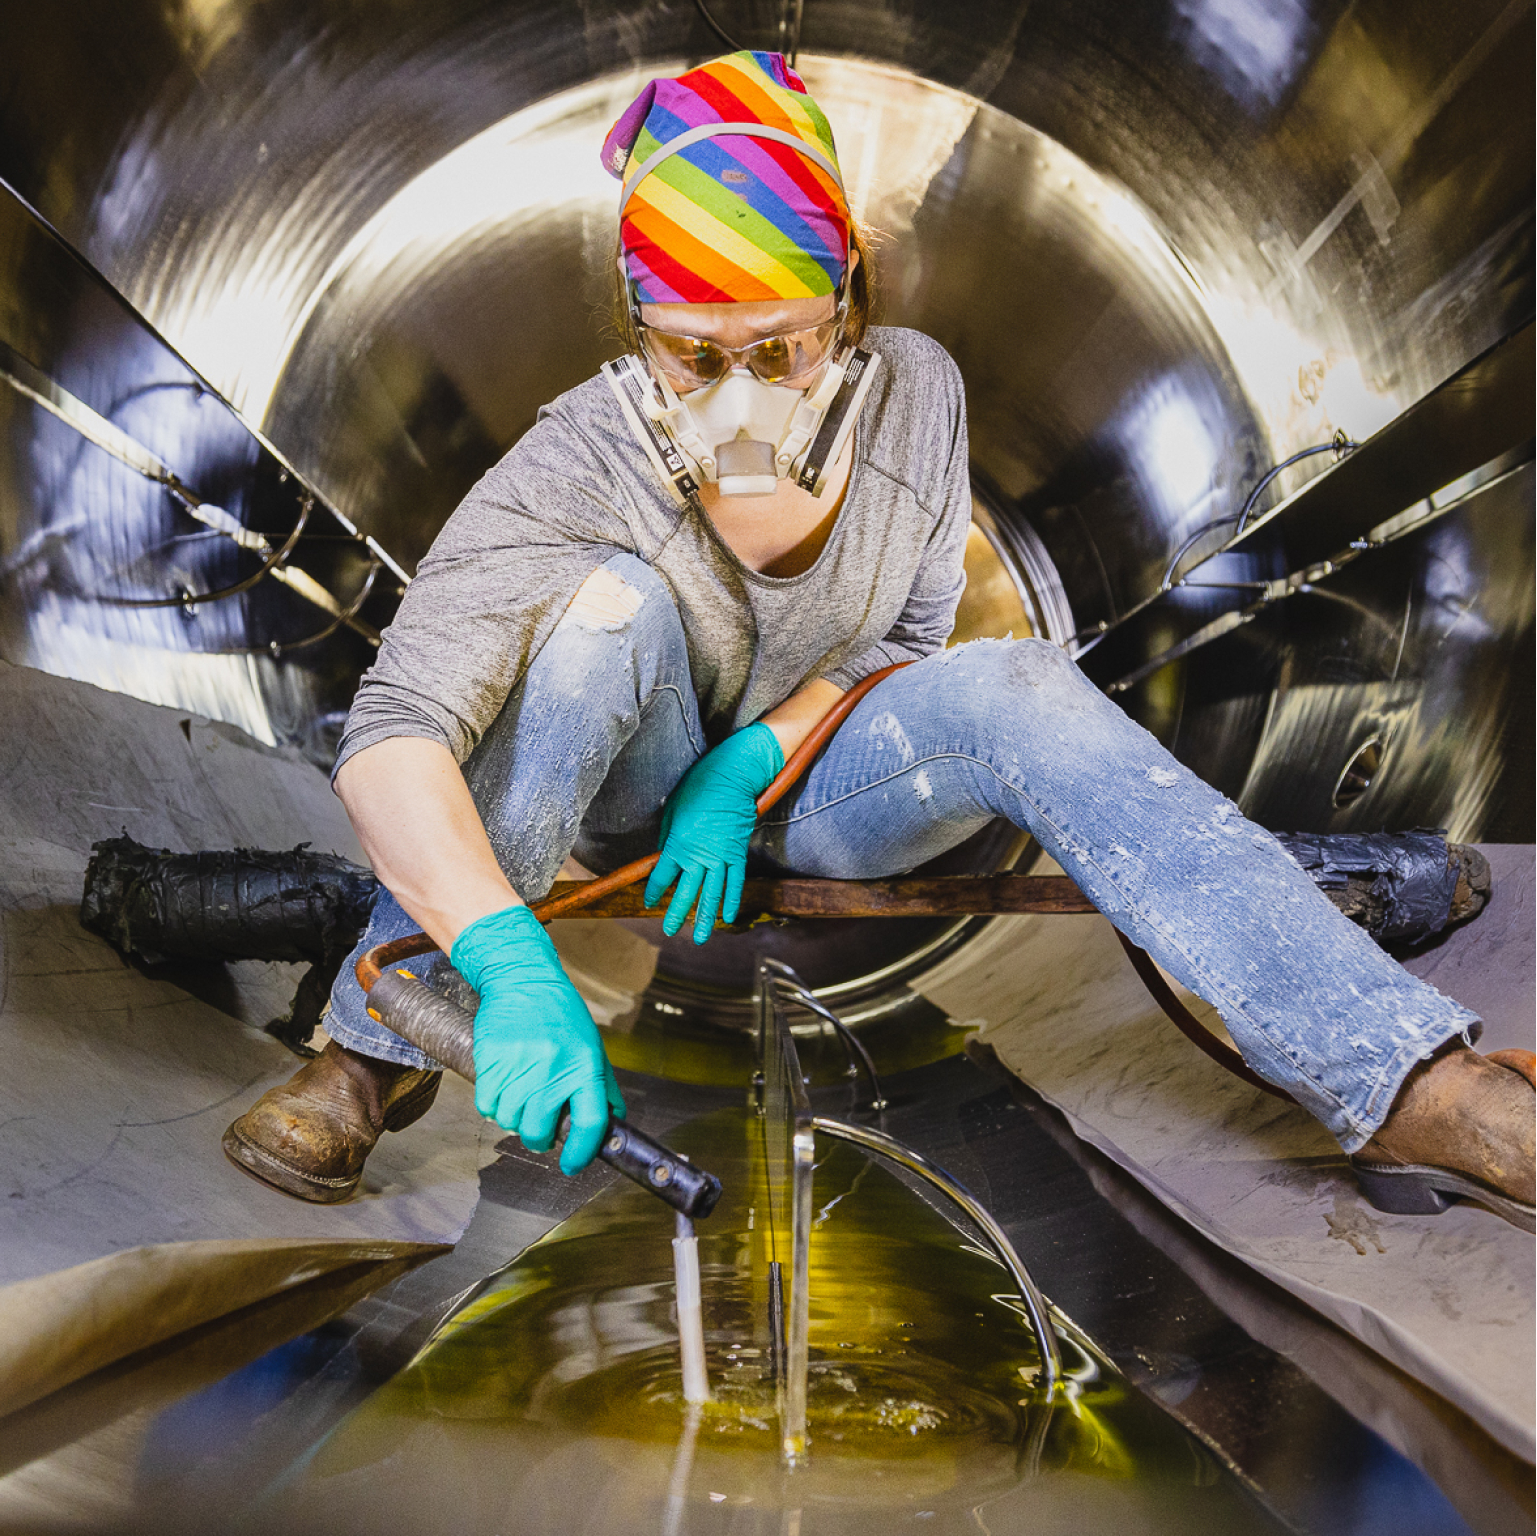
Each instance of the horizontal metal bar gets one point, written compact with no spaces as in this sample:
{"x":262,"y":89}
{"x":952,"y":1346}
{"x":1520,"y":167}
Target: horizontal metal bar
{"x":903,"y":896}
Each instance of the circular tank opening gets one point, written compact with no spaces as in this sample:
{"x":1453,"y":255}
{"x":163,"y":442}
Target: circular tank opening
{"x":1068,"y":311}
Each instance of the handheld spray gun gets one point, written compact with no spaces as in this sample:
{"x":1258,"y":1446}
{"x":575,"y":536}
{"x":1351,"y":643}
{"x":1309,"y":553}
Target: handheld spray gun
{"x":446,"y":1032}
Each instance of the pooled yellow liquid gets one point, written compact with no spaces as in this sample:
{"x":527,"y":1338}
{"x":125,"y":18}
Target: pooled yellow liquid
{"x":550,"y":1403}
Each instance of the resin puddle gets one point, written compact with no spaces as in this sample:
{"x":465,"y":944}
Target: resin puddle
{"x":552,"y":1400}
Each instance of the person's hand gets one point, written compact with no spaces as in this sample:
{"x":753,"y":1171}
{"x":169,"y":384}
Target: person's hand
{"x":536,"y":1047}
{"x":706,"y":826}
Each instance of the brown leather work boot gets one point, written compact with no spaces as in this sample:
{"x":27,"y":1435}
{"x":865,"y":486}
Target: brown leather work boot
{"x":311,"y":1135}
{"x":1462,"y":1127}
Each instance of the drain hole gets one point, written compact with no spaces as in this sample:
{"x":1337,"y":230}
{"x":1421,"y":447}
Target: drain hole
{"x":1363,"y":767}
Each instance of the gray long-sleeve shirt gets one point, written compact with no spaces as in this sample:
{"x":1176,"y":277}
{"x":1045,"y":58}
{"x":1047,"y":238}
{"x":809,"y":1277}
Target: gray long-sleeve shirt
{"x":576,"y":490}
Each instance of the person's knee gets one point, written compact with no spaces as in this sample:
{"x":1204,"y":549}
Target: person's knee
{"x":1028,"y":672}
{"x":1008,"y":699}
{"x":623,"y":596}
{"x":1037,"y":664}
{"x":622,"y":617}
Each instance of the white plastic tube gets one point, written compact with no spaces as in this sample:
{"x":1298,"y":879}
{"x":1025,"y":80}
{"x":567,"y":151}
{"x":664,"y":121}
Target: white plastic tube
{"x":685,"y":1263}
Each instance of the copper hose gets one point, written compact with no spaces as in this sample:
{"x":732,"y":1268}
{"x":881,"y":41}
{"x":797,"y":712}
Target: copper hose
{"x":1190,"y":1026}
{"x":382,"y":956}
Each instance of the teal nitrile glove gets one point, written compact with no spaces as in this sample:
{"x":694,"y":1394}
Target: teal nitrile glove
{"x":706,"y":826}
{"x":536,"y":1047}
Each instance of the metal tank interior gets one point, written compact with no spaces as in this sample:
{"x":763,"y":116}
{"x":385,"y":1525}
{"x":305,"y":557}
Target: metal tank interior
{"x":280,"y":280}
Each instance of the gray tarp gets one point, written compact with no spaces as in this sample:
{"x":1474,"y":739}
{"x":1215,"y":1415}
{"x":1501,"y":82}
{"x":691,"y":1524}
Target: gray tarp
{"x":118,"y":1082}
{"x":1449,"y":1299}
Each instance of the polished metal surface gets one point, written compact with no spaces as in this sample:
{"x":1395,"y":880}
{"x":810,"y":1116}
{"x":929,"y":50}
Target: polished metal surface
{"x":916,"y":1163}
{"x":1332,"y":1441}
{"x":150,"y":542}
{"x":1168,"y":245}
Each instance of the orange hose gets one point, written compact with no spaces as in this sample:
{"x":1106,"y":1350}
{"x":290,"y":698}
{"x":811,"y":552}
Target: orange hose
{"x":381,"y":956}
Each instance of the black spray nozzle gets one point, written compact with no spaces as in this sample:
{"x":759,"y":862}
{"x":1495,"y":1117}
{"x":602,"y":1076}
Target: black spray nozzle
{"x":667,"y":1174}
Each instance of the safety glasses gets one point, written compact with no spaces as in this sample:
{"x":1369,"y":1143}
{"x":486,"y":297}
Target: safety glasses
{"x":788,"y":357}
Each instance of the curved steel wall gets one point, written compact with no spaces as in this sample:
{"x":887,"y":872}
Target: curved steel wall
{"x":1169,"y":244}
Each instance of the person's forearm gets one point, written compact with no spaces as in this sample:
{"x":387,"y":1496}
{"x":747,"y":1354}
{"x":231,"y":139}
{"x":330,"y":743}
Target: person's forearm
{"x":794,"y":720}
{"x":419,"y":827}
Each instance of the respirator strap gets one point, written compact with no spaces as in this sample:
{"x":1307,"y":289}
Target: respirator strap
{"x":858,"y":375}
{"x":632,"y":384}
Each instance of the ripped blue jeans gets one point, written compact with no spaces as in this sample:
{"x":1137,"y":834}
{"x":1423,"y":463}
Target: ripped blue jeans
{"x":604,"y":724}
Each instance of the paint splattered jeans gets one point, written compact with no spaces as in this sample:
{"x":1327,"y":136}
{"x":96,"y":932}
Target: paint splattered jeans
{"x":605,"y":722}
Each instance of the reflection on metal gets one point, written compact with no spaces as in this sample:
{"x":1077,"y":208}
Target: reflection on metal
{"x":1012,"y":588}
{"x":723,"y":37}
{"x":1356,"y":778}
{"x":993,"y":603}
{"x":1473,"y":419}
{"x":789,"y":1139}
{"x":96,"y":429}
{"x":100,"y":578}
{"x":188,"y":600}
{"x":1167,"y":246}
{"x":36,"y":386}
{"x":1030,"y":1298}
{"x":1307,"y":581}
{"x":792,"y":16}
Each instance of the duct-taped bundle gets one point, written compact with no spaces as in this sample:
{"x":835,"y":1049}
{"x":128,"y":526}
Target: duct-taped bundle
{"x":235,"y":904}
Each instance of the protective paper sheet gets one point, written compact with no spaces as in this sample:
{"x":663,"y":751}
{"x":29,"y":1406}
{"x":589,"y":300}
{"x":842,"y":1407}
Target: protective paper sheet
{"x":60,"y":1327}
{"x":119,"y":1080}
{"x":1449,"y":1299}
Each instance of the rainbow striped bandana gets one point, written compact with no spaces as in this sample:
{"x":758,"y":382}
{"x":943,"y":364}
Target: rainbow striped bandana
{"x":731,"y":187}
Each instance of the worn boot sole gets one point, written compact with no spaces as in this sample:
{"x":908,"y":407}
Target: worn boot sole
{"x":252,"y":1158}
{"x":1415,"y":1189}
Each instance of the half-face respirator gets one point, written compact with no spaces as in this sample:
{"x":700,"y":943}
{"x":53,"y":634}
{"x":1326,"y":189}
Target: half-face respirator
{"x":740,"y":432}
{"x":716,"y":211}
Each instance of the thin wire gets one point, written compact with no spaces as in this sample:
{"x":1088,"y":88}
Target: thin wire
{"x":1185,"y":548}
{"x":270,"y":561}
{"x":716,"y":27}
{"x":277,"y":648}
{"x":1339,"y":445}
